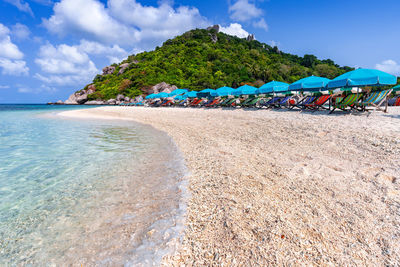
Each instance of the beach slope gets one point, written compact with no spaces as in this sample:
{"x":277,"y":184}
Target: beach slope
{"x":283,"y":187}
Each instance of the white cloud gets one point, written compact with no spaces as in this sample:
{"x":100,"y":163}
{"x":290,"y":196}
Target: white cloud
{"x":114,"y":53}
{"x":10,"y":55}
{"x":13,"y":67}
{"x":20,"y":31}
{"x":261,"y":24}
{"x":235,"y":29}
{"x":4,"y":86}
{"x":90,"y":19}
{"x":389,"y":66}
{"x":122,"y":22}
{"x":29,"y":90}
{"x":157,"y":22}
{"x":21,"y":5}
{"x":242,"y":10}
{"x":64,"y":64}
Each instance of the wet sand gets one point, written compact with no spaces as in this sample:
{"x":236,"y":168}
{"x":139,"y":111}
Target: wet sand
{"x":283,"y":187}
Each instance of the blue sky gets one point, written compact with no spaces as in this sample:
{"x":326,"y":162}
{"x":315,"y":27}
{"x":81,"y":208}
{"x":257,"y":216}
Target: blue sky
{"x":49,"y":49}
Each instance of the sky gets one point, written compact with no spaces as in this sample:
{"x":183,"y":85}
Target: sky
{"x":50,"y":49}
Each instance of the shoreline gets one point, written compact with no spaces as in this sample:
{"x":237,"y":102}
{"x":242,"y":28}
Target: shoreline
{"x":276,"y":187}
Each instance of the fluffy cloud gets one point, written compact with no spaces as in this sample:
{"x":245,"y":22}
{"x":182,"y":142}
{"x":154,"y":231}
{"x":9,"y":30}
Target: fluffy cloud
{"x":21,"y":5}
{"x":122,"y":22}
{"x":242,"y":10}
{"x":156,"y":22}
{"x":235,"y":29}
{"x":10,"y":55}
{"x":20,"y":31}
{"x":64,"y":65}
{"x":114,"y":53}
{"x":90,"y":19}
{"x":261,"y":24}
{"x":13,"y":67}
{"x":389,"y":66}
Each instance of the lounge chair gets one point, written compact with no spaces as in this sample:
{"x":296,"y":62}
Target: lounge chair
{"x":230,"y":102}
{"x":253,"y":102}
{"x":397,"y":102}
{"x":319,"y":103}
{"x":269,"y":103}
{"x":308,"y":100}
{"x":213,"y":103}
{"x":375,"y":100}
{"x":350,"y":101}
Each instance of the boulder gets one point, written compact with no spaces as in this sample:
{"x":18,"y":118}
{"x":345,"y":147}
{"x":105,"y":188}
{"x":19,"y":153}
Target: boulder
{"x":120,"y":97}
{"x":111,"y":101}
{"x":214,"y":27}
{"x":108,"y":70}
{"x":81,"y":96}
{"x":59,"y":102}
{"x":95,"y":102}
{"x":122,"y":68}
{"x":214,"y":38}
{"x":127,"y":99}
{"x":118,"y":102}
{"x":161,"y":87}
{"x":250,"y":37}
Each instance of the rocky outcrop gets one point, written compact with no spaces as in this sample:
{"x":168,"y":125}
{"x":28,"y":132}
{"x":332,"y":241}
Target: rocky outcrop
{"x":80,"y":97}
{"x":111,"y":101}
{"x":250,"y":37}
{"x":122,"y":68}
{"x":108,"y":70}
{"x":214,"y":27}
{"x":162,"y":87}
{"x":120,"y":97}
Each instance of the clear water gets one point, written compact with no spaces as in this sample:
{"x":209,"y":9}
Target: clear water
{"x":85,"y":192}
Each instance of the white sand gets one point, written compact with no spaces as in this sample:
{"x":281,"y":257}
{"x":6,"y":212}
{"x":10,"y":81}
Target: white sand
{"x":283,"y":187}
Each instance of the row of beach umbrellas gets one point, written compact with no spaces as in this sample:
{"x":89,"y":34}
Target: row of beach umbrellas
{"x":351,"y":79}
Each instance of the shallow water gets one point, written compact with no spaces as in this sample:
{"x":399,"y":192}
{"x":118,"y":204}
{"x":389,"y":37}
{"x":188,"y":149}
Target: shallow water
{"x":84,"y":191}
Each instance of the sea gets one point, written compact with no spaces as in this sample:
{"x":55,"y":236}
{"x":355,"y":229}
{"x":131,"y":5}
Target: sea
{"x":85,"y":192}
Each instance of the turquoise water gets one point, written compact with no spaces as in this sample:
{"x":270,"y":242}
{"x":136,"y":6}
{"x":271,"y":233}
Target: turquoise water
{"x":86,"y":192}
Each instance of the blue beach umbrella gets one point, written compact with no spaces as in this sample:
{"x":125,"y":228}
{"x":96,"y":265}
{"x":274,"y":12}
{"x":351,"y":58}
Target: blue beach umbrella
{"x":396,"y":88}
{"x":273,"y":87}
{"x":179,"y":92}
{"x":245,"y":90}
{"x":248,"y":90}
{"x":212,"y":92}
{"x":312,"y":83}
{"x":163,"y":95}
{"x":224,"y":91}
{"x":191,"y":94}
{"x":151,"y":96}
{"x":363,"y":77}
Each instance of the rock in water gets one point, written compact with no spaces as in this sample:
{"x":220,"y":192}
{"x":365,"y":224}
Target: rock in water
{"x":80,"y":97}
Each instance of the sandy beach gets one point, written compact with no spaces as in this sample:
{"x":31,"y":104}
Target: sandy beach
{"x":283,"y":187}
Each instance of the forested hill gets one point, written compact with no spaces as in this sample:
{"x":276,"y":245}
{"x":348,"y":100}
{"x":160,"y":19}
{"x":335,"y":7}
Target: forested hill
{"x":201,"y":59}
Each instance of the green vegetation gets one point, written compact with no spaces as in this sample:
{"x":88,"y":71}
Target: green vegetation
{"x":194,"y":61}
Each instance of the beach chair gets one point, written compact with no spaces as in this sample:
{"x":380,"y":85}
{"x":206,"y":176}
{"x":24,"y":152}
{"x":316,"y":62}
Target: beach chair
{"x":269,"y":103}
{"x":319,"y":103}
{"x":253,"y":102}
{"x":213,"y":103}
{"x":375,"y":100}
{"x":397,"y":102}
{"x":283,"y":102}
{"x":230,"y":102}
{"x":223,"y":102}
{"x":308,"y":100}
{"x":350,"y":101}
